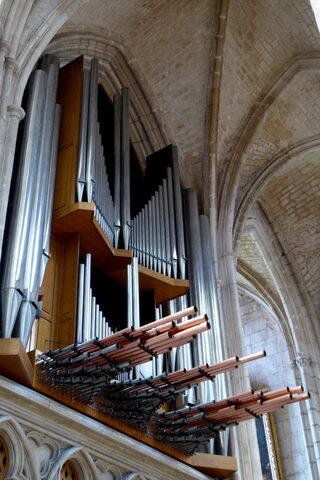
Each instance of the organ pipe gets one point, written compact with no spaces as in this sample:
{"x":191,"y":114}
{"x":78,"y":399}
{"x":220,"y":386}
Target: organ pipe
{"x":18,"y":228}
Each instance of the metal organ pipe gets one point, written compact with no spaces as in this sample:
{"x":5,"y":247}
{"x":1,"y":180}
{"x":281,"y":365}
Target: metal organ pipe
{"x":50,"y":191}
{"x":196,"y":270}
{"x":172,"y":222}
{"x":117,"y":106}
{"x":92,"y":128}
{"x":19,"y":226}
{"x":178,"y":214}
{"x":32,"y":280}
{"x":125,"y":164}
{"x":91,"y":321}
{"x":82,"y":152}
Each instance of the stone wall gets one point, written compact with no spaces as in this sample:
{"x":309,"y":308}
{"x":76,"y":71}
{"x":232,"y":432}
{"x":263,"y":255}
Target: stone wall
{"x":261,"y":332}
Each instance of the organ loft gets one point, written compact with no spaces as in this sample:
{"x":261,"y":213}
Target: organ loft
{"x":129,"y":347}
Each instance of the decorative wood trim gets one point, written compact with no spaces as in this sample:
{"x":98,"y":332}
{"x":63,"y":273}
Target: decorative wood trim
{"x":214,"y":465}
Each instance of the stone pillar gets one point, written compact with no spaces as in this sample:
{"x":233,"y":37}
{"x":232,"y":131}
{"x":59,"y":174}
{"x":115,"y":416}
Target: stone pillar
{"x":243,"y":439}
{"x":9,"y":121}
{"x":4,"y":51}
{"x":14,"y":115}
{"x":306,"y":371}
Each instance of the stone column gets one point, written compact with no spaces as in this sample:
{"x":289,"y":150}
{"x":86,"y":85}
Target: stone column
{"x":306,"y":371}
{"x":243,"y":439}
{"x":9,"y":121}
{"x":14,"y":115}
{"x":4,"y":51}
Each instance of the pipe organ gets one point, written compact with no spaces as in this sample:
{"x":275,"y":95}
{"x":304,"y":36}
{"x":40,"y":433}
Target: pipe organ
{"x":116,"y":330}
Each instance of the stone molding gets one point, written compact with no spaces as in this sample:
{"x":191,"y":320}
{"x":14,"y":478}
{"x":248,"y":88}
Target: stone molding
{"x":302,"y":361}
{"x":16,"y":111}
{"x":48,"y":433}
{"x":12,"y":64}
{"x":4,"y":47}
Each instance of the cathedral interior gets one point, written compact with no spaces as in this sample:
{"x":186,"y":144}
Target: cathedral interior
{"x":158,"y":161}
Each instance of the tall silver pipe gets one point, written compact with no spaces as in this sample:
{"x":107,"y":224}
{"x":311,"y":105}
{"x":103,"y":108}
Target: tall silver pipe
{"x":80,"y":303}
{"x":129,"y":296}
{"x":212,"y":303}
{"x":172,"y":222}
{"x":197,"y":292}
{"x":178,"y":213}
{"x":100,"y":325}
{"x":86,"y":297}
{"x":154,"y":233}
{"x":117,"y":107}
{"x":196,"y":272}
{"x":143,"y":237}
{"x":158,"y":232}
{"x":167,"y":228}
{"x":50,"y":191}
{"x":18,"y":229}
{"x":92,"y":128}
{"x":93,"y":316}
{"x":137,"y":236}
{"x":162,"y":231}
{"x":32,"y":280}
{"x":125,"y":163}
{"x":150,"y":234}
{"x":147,"y":235}
{"x":135,"y":293}
{"x":82,"y":152}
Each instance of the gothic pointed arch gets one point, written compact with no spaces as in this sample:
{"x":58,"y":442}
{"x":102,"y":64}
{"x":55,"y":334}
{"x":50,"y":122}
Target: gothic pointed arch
{"x":118,"y":68}
{"x":21,"y":459}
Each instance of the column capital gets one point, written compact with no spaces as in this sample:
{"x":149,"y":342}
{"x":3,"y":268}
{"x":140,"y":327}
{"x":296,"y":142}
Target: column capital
{"x":12,"y":63}
{"x":16,"y":111}
{"x":301,"y":361}
{"x":4,"y":47}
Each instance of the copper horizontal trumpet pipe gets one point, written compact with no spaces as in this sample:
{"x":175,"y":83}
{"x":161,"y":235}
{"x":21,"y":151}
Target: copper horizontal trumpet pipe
{"x":158,"y":340}
{"x":189,"y":411}
{"x":229,"y":363}
{"x":139,"y":360}
{"x":191,"y":331}
{"x":158,"y":330}
{"x":189,"y":323}
{"x":229,"y":401}
{"x":129,"y":347}
{"x":174,"y":316}
{"x":274,"y":403}
{"x":252,"y":357}
{"x":115,"y":337}
{"x":166,"y":347}
{"x":281,"y":391}
{"x":172,"y":376}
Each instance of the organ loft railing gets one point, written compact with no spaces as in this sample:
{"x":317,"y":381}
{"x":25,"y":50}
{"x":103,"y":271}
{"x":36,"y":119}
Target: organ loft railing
{"x":95,"y":266}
